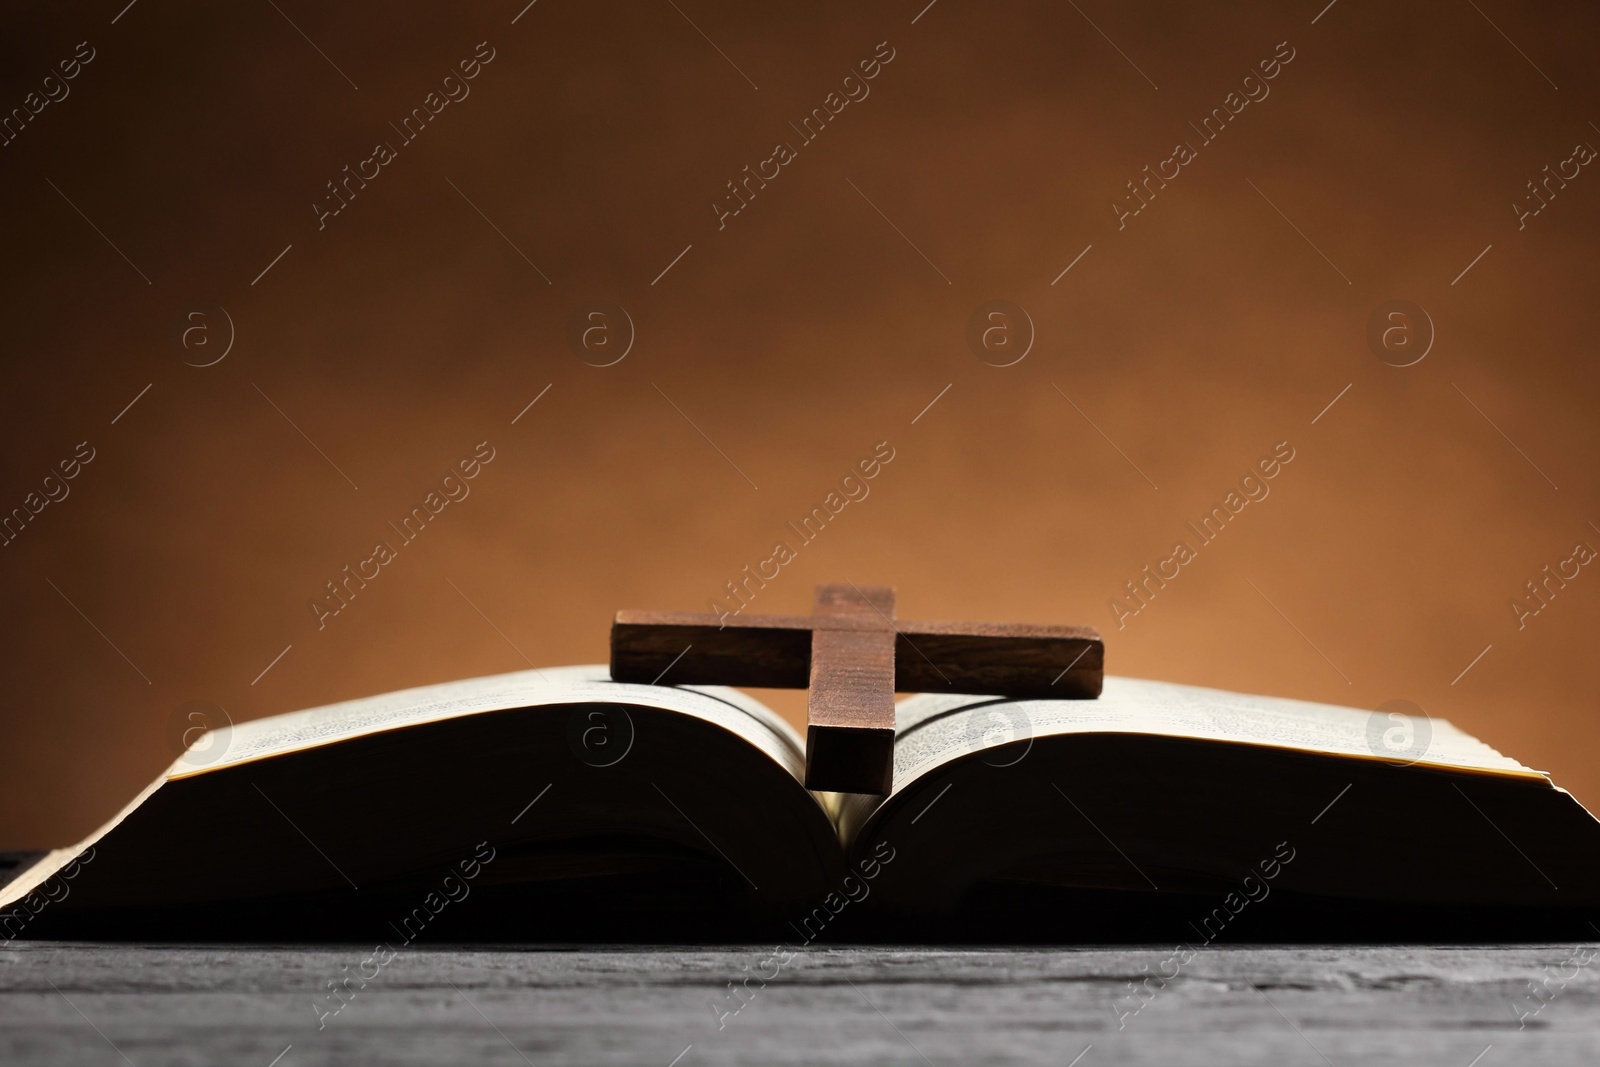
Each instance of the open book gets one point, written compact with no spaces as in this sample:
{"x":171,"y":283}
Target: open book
{"x":560,"y":805}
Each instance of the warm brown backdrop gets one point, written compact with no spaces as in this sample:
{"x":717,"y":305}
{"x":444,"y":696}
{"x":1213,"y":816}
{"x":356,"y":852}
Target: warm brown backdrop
{"x":804,"y":332}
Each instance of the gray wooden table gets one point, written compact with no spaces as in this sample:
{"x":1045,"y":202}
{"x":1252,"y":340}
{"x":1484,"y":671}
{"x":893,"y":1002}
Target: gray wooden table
{"x":258,"y":1006}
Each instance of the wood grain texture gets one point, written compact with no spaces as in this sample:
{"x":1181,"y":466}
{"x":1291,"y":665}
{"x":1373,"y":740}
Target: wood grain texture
{"x":847,"y":1005}
{"x":1051,"y":662}
{"x":850,"y":708}
{"x":852,"y":671}
{"x":774,"y":651}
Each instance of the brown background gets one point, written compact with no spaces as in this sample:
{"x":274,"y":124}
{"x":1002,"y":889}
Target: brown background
{"x":807,"y":330}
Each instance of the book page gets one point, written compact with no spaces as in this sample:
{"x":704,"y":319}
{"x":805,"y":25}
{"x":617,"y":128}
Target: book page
{"x":281,"y":735}
{"x":932,"y":730}
{"x":292,"y":732}
{"x":56,"y":859}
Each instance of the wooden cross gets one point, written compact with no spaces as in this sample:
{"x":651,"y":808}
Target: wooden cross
{"x":853,"y":656}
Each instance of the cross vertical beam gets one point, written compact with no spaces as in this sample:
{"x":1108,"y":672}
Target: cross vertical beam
{"x":850,"y":712}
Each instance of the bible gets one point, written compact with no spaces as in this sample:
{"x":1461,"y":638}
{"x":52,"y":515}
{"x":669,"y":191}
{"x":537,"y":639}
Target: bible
{"x":561,"y":805}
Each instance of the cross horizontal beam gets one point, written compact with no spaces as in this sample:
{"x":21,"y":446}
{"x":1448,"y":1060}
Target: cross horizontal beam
{"x":774,"y":651}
